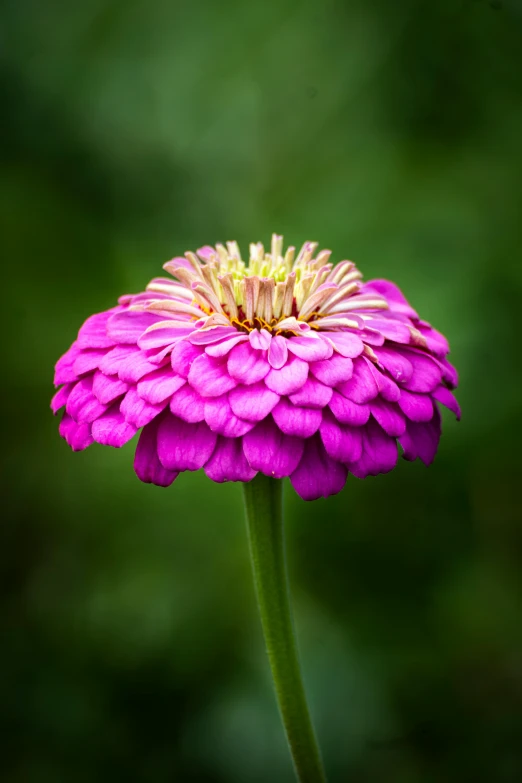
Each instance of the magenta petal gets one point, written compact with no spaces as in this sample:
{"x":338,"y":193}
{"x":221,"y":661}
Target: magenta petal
{"x":313,"y":394}
{"x":128,"y":326}
{"x":290,"y":378}
{"x":183,"y":446}
{"x":63,"y":370}
{"x":387,"y":388}
{"x":137,"y":411}
{"x":183,"y":354}
{"x":107,"y":388}
{"x":447,"y":399}
{"x":346,"y":343}
{"x":228,"y":462}
{"x":88,"y":360}
{"x":379,"y":452}
{"x":292,"y":420}
{"x":111,"y":429}
{"x":188,"y":405}
{"x":449,"y":373}
{"x":267,"y":449}
{"x":253,"y":402}
{"x":389,"y":416}
{"x":220,"y":419}
{"x":422,"y":439}
{"x":278,"y":352}
{"x":395,"y":363}
{"x":390,"y":329}
{"x":247,"y":365}
{"x":77,"y":436}
{"x":426,"y":372}
{"x":260,"y":339}
{"x":61,"y":397}
{"x":159,"y":385}
{"x":342,"y":442}
{"x":209,"y":377}
{"x":348,"y":412}
{"x":146,"y":462}
{"x":394,"y":296}
{"x":128,"y":362}
{"x":213,"y":334}
{"x":224,"y":347}
{"x":93,"y":333}
{"x":337,"y":369}
{"x":317,"y":474}
{"x":417,"y":407}
{"x":310,"y":348}
{"x":82,"y":405}
{"x":362,"y":386}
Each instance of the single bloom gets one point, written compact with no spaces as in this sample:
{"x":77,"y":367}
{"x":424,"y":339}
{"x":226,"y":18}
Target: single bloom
{"x":287,"y":365}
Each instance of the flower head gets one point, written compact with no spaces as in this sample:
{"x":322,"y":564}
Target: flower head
{"x":286,"y":364}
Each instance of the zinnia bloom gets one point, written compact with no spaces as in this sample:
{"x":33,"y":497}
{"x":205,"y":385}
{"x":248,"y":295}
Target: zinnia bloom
{"x":287,"y":365}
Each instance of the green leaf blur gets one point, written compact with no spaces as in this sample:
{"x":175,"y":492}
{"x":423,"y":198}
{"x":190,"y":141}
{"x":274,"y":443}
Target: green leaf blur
{"x":391,"y":133}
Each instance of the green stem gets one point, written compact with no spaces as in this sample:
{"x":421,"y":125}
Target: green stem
{"x":264,"y":513}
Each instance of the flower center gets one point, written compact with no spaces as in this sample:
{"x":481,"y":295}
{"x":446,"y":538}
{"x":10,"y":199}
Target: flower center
{"x":276,"y":290}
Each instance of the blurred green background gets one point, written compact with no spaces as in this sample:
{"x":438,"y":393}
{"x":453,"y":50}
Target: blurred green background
{"x":388,"y":131}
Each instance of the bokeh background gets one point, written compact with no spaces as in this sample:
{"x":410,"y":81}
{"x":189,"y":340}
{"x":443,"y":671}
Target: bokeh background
{"x":390,"y":132}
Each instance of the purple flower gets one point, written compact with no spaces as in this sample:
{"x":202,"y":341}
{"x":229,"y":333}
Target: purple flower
{"x":288,"y":365}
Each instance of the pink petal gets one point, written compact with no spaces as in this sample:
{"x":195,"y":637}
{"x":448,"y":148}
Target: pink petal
{"x":225,"y":346}
{"x":362,"y":386}
{"x":228,"y":462}
{"x":422,"y":439}
{"x":88,"y":360}
{"x":159,"y":385}
{"x":260,"y":339}
{"x":278,"y":352}
{"x":348,"y":412}
{"x":346,"y":343}
{"x":317,"y":474}
{"x":128,"y":362}
{"x":332,"y":371}
{"x":63,"y":371}
{"x":212,"y":334}
{"x":108,"y":388}
{"x":447,"y":399}
{"x":267,"y":449}
{"x":61,"y":397}
{"x":93,"y":333}
{"x":183,"y":446}
{"x":290,"y":378}
{"x":379,"y":452}
{"x":449,"y":373}
{"x":417,"y":407}
{"x":253,"y":402}
{"x":292,"y":420}
{"x":164,"y":337}
{"x":146,"y":462}
{"x":395,"y":363}
{"x":389,"y":328}
{"x":342,"y":442}
{"x":387,"y":388}
{"x":183,"y":354}
{"x":209,"y":377}
{"x":393,"y":296}
{"x":77,"y":436}
{"x":313,"y":394}
{"x":220,"y":419}
{"x":138,"y":411}
{"x":389,"y":416}
{"x":127,"y":327}
{"x":426,"y":372}
{"x":247,"y":365}
{"x":310,"y":348}
{"x":82,"y":405}
{"x":188,"y":405}
{"x":111,"y":429}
